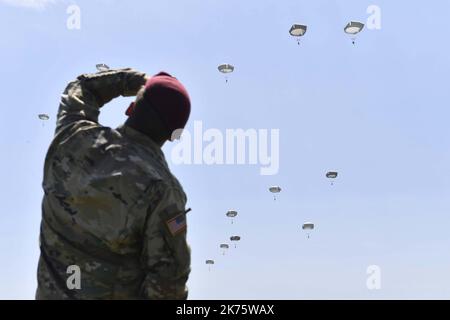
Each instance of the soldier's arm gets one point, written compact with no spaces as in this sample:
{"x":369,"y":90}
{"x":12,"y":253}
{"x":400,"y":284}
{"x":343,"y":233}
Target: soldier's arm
{"x":84,"y":96}
{"x":166,"y":254}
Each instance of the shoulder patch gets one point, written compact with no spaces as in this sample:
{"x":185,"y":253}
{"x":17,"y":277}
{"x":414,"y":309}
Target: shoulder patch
{"x":177,"y":223}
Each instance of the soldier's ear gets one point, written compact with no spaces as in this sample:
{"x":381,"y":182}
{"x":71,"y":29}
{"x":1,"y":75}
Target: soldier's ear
{"x":130,"y":109}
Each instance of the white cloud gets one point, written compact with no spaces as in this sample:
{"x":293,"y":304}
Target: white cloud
{"x":33,"y":4}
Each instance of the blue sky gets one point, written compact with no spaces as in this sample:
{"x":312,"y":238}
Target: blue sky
{"x":377,"y":112}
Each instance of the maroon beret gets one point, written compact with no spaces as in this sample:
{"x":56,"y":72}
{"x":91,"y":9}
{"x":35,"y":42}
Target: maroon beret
{"x":169,"y":98}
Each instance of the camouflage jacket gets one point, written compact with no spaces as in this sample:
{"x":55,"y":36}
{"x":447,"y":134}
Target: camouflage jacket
{"x":111,"y":210}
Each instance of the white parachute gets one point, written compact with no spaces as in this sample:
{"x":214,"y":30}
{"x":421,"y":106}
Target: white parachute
{"x":308,"y":226}
{"x":209,"y":263}
{"x":297,"y":31}
{"x":231,"y":214}
{"x":224,"y":247}
{"x":226,"y":68}
{"x":43,"y":116}
{"x":275,"y":190}
{"x":235,"y":239}
{"x":102,"y":67}
{"x":353,"y":28}
{"x":331,"y":175}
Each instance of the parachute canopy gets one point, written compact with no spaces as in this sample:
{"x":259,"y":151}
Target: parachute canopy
{"x":353,"y":27}
{"x":308,"y":226}
{"x":275,"y":189}
{"x":102,"y":67}
{"x":225,"y":68}
{"x":209,"y":261}
{"x":297,"y":30}
{"x":224,"y":247}
{"x":331,"y":174}
{"x":235,"y":238}
{"x":231,"y":213}
{"x":43,"y":116}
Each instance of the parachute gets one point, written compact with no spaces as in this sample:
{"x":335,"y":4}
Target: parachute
{"x":209,"y":263}
{"x":231,"y":214}
{"x":226,"y":68}
{"x":102,"y":67}
{"x":235,"y":238}
{"x":309,"y":226}
{"x":274,"y":190}
{"x":43,"y":116}
{"x":353,"y":28}
{"x":331,"y":175}
{"x":224,"y":247}
{"x":297,"y":30}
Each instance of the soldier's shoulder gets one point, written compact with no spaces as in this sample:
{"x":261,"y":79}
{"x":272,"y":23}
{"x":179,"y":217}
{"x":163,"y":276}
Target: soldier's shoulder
{"x":170,"y":189}
{"x":83,"y":133}
{"x":175,"y":183}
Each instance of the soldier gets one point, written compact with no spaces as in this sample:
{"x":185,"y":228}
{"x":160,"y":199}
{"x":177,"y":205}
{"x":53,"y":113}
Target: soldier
{"x":113,"y":216}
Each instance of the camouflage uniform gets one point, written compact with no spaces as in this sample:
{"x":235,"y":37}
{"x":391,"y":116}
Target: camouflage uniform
{"x":111,"y":205}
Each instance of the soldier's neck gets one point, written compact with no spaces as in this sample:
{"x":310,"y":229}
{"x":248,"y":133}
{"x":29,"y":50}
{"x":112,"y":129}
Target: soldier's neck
{"x":147,"y":130}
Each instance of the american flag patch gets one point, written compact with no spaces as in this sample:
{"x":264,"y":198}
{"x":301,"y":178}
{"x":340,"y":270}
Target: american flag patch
{"x":177,"y":224}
